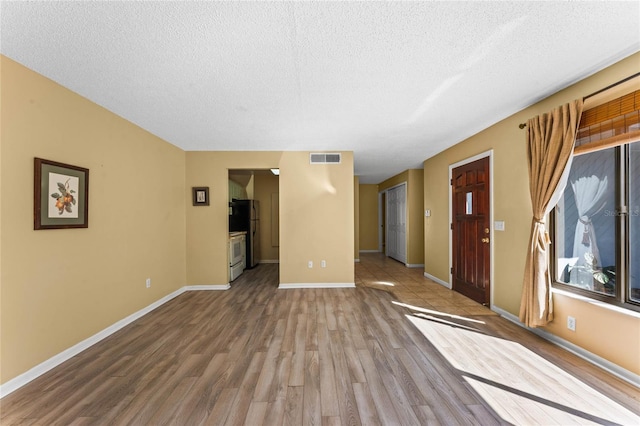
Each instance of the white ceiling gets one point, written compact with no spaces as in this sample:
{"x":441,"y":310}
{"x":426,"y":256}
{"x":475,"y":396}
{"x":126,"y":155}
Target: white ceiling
{"x":395,"y":82}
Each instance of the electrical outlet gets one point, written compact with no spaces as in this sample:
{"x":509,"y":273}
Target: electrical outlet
{"x":571,"y":323}
{"x":148,"y":282}
{"x":323,"y":264}
{"x":310,"y":264}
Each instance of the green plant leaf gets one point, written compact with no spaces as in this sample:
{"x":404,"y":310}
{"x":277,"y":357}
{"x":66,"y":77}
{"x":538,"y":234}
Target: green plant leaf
{"x":72,"y":191}
{"x":67,"y":207}
{"x":61,"y":186}
{"x":55,"y":195}
{"x":73,"y":200}
{"x":601,"y":277}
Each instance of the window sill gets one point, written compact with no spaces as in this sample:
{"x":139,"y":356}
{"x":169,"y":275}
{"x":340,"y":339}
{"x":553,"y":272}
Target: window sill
{"x":615,"y":308}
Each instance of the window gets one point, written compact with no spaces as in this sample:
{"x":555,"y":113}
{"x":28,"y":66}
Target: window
{"x":597,"y":220}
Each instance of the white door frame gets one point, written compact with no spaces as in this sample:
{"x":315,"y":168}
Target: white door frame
{"x":485,"y":154}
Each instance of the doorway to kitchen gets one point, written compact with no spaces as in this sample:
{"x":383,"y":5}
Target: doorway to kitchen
{"x":254,"y":193}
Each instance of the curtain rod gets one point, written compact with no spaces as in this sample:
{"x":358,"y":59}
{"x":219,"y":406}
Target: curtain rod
{"x":523,"y":125}
{"x":613,"y":85}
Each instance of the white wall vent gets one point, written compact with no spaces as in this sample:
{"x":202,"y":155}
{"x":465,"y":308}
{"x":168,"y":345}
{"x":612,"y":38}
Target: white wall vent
{"x":325,"y":158}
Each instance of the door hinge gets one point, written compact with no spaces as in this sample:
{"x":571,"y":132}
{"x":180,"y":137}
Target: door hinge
{"x":452,"y":270}
{"x":451,"y":182}
{"x":452,"y":226}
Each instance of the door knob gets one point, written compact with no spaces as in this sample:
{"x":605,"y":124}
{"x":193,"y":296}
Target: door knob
{"x":485,"y":240}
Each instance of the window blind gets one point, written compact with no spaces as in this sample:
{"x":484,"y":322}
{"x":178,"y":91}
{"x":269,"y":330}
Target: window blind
{"x":609,"y":124}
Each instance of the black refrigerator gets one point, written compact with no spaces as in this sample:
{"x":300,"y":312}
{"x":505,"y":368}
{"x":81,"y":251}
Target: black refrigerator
{"x":244,"y":215}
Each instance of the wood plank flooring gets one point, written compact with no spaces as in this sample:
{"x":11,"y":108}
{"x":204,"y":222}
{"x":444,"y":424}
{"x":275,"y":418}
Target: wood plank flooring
{"x":398,"y":349}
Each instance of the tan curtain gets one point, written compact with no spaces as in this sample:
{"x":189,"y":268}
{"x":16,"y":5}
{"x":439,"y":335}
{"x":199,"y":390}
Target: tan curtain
{"x":550,"y":141}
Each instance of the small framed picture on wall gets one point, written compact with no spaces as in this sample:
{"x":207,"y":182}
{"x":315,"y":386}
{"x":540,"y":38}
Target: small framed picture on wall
{"x":200,"y":195}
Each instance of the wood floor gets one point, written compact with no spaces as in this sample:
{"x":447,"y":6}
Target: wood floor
{"x":396,"y":350}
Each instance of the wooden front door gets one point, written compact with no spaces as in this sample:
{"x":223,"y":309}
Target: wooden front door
{"x":471,"y":230}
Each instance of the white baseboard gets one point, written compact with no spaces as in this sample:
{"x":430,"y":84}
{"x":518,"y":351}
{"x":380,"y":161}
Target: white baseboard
{"x":269,"y":261}
{"x":414,"y":265}
{"x":438,"y":280}
{"x":207,"y":287}
{"x":369,"y":251}
{"x":356,"y":260}
{"x":616,"y":370}
{"x":316,"y":285}
{"x":40,"y":369}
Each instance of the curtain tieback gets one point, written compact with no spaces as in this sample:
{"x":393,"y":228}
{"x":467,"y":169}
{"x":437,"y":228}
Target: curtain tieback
{"x":586,"y":237}
{"x":547,"y":238}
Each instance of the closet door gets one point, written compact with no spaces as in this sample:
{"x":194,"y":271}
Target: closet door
{"x":402,"y":224}
{"x":391,"y":224}
{"x":396,"y":223}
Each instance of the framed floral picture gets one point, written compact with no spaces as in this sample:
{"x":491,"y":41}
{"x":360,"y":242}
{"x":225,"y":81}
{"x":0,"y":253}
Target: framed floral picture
{"x":61,"y":195}
{"x":200,"y":195}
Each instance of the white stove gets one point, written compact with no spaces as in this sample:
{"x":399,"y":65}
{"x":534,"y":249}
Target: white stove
{"x":237,"y":250}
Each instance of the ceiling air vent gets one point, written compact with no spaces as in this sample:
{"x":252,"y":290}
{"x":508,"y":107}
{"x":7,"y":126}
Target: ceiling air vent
{"x":324,"y":158}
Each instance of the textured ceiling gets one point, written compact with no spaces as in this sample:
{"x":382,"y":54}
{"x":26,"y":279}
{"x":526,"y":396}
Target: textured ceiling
{"x":395,"y":82}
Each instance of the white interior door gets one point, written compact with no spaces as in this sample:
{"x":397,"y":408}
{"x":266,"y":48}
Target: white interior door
{"x":396,"y":223}
{"x":391,"y":224}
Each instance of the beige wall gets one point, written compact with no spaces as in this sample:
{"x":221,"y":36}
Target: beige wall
{"x":314,"y":199}
{"x":14,"y":373}
{"x":316,"y":219}
{"x":415,"y":230}
{"x":368,"y":217}
{"x":394,"y":180}
{"x":356,"y":216}
{"x":414,"y":179}
{"x":266,"y":185}
{"x":60,"y":287}
{"x":603,"y":332}
{"x":208,"y":227}
{"x":16,"y":370}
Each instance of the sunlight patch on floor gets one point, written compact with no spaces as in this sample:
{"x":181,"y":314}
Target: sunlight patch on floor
{"x":387,"y":283}
{"x":439,"y":313}
{"x":521,"y":386}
